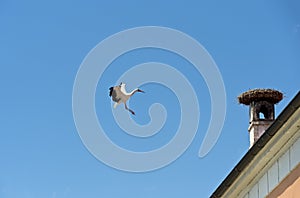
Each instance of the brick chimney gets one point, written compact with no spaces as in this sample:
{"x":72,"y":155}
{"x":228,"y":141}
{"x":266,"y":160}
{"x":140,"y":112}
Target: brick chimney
{"x":261,"y":110}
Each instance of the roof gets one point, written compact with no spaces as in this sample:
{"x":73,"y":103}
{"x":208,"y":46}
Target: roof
{"x":255,"y":149}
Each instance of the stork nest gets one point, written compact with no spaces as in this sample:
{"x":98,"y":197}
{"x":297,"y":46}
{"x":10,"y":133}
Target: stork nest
{"x":270,"y":95}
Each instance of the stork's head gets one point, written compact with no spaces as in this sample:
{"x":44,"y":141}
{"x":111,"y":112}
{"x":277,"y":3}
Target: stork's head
{"x":122,"y":84}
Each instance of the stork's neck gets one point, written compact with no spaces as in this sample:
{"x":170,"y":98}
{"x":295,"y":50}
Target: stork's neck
{"x":133,"y":91}
{"x":126,"y":93}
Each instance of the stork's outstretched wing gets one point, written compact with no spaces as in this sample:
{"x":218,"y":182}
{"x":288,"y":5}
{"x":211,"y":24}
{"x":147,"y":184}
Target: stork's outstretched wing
{"x":114,"y":92}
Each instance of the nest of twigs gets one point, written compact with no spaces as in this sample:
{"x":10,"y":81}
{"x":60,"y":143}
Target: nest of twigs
{"x":269,"y":95}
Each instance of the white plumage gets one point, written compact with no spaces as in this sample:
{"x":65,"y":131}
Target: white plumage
{"x":119,"y":95}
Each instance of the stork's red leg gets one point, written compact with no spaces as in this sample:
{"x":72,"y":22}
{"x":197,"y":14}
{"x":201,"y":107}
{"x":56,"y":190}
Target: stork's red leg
{"x":132,"y":112}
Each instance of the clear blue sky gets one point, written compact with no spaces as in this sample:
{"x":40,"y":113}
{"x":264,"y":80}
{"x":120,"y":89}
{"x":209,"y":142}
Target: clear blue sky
{"x":42,"y":44}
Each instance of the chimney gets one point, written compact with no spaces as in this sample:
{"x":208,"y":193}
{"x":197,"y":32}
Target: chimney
{"x":261,"y":110}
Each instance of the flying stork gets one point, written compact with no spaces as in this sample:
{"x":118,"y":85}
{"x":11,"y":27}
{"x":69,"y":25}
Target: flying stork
{"x":119,"y":95}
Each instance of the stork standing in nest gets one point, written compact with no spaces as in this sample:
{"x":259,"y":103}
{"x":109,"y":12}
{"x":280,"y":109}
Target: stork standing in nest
{"x":119,"y":95}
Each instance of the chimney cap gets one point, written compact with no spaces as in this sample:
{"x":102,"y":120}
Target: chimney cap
{"x":270,"y":95}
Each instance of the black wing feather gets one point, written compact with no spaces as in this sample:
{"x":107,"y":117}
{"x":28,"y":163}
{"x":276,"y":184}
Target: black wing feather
{"x":110,"y":91}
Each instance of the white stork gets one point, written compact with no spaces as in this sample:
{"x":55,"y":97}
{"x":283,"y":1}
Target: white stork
{"x":119,"y":95}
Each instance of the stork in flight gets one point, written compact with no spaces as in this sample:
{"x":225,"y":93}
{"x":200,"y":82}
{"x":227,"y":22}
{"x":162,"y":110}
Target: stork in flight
{"x":119,"y":95}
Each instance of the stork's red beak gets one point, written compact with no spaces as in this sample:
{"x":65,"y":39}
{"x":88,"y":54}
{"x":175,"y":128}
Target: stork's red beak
{"x":140,"y":91}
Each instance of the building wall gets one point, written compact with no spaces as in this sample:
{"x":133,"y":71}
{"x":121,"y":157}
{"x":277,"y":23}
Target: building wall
{"x":289,"y":187}
{"x":279,"y":170}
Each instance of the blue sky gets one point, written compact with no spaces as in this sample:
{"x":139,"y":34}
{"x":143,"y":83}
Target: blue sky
{"x":42,"y":45}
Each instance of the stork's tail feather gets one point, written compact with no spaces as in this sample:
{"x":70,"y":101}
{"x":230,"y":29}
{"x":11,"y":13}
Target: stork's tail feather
{"x":110,"y":91}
